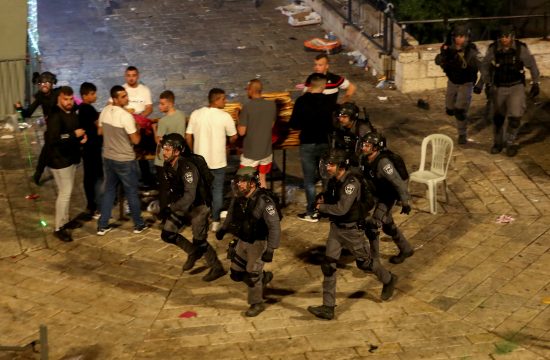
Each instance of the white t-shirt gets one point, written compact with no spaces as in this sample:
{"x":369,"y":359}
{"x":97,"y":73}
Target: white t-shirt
{"x":138,"y":97}
{"x":209,"y":127}
{"x":117,"y":124}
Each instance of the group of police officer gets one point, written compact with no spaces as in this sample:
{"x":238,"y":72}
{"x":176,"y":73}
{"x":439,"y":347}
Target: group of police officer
{"x":360,"y":174}
{"x":503,"y":75}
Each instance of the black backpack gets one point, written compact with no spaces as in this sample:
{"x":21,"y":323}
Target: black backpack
{"x":397,"y":161}
{"x":206,"y":177}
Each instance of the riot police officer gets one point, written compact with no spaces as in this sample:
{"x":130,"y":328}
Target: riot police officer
{"x":348,"y":130}
{"x":254,"y":218}
{"x":504,"y":74}
{"x":460,"y":60}
{"x":186,"y":206}
{"x":388,"y":173}
{"x":343,"y":205}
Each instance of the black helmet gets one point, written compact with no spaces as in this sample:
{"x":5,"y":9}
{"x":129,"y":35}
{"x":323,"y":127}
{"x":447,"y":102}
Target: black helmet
{"x":349,"y":109}
{"x":338,"y":157}
{"x":174,"y":140}
{"x":247,"y":173}
{"x":374,"y":138}
{"x":47,"y":76}
{"x":506,"y":30}
{"x":460,"y":29}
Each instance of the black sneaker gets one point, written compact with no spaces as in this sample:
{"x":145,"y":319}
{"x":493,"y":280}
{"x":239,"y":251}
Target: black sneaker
{"x":309,"y":218}
{"x":462,"y":139}
{"x":214,"y":273}
{"x":387,"y":289}
{"x":399,"y":258}
{"x":255,"y":310}
{"x":103,"y":231}
{"x":141,"y":228}
{"x":322,"y":312}
{"x":36,"y":178}
{"x":63,"y":235}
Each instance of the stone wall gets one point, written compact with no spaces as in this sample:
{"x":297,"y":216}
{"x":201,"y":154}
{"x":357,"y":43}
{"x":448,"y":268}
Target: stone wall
{"x":412,"y":69}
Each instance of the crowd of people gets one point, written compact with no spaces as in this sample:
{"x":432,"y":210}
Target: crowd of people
{"x":362,"y":180}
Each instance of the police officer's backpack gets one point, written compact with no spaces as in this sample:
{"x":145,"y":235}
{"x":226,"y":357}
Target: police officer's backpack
{"x":397,"y":161}
{"x":205,"y":177}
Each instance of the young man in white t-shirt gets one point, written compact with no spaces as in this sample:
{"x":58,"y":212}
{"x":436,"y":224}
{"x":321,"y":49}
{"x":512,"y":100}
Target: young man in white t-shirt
{"x":139,"y":95}
{"x":207,"y":134}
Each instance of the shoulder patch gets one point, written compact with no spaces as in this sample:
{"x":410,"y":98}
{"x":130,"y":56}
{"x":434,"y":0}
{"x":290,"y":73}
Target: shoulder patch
{"x":188,"y":177}
{"x":270,"y":209}
{"x":388,"y":169}
{"x":349,"y":189}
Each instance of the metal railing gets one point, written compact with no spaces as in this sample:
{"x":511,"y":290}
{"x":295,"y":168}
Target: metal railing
{"x":382,"y":34}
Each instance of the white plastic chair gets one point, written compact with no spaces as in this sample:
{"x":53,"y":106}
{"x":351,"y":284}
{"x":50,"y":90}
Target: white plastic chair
{"x":442,"y":149}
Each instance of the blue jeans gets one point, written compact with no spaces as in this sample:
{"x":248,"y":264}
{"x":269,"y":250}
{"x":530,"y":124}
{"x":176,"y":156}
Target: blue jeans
{"x":310,"y":155}
{"x":217,"y":192}
{"x":125,"y":172}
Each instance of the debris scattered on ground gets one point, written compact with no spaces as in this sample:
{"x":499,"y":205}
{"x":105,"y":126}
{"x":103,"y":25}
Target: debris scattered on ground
{"x":32,"y":196}
{"x":358,"y":58}
{"x":372,"y":348}
{"x":241,"y":47}
{"x":382,"y":98}
{"x":293,"y":9}
{"x":423,"y":104}
{"x":300,"y":86}
{"x":304,"y":18}
{"x":504,"y":219}
{"x":187,"y":315}
{"x":6,"y":137}
{"x":323,"y":45}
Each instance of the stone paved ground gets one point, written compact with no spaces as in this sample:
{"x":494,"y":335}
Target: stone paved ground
{"x":473,"y":290}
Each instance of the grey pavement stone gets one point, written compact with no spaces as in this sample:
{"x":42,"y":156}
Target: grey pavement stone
{"x":473,"y":289}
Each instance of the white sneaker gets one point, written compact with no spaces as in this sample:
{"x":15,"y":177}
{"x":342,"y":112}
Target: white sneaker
{"x":215,"y":226}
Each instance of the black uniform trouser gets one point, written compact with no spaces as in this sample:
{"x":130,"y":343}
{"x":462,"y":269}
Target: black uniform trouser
{"x":42,"y":159}
{"x":163,"y":189}
{"x":247,"y":266}
{"x":93,"y":178}
{"x":352,"y":239}
{"x":382,"y":218}
{"x":198,"y":218}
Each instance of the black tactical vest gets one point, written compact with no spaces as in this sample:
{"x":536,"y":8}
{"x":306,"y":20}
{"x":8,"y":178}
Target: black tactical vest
{"x":457,"y":67}
{"x":244,"y":225}
{"x":507,"y":66}
{"x":332,"y":196}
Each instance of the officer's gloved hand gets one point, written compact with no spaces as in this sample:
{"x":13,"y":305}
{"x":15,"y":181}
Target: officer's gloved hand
{"x":535,"y":90}
{"x":267,"y":256}
{"x":405,"y":209}
{"x":220,"y":234}
{"x":478,"y":89}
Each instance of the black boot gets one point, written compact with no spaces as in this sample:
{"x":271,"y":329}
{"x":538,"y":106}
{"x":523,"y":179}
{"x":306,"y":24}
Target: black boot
{"x":214,"y":273}
{"x":497,"y":148}
{"x":255,"y":310}
{"x":322,"y":312}
{"x":399,"y":258}
{"x":511,"y":150}
{"x":192,"y":258}
{"x":387,"y":289}
{"x":63,"y":235}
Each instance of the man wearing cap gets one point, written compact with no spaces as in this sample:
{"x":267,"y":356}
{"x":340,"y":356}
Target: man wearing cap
{"x":45,"y":97}
{"x":460,"y":61}
{"x":503,"y":71}
{"x":254,"y":218}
